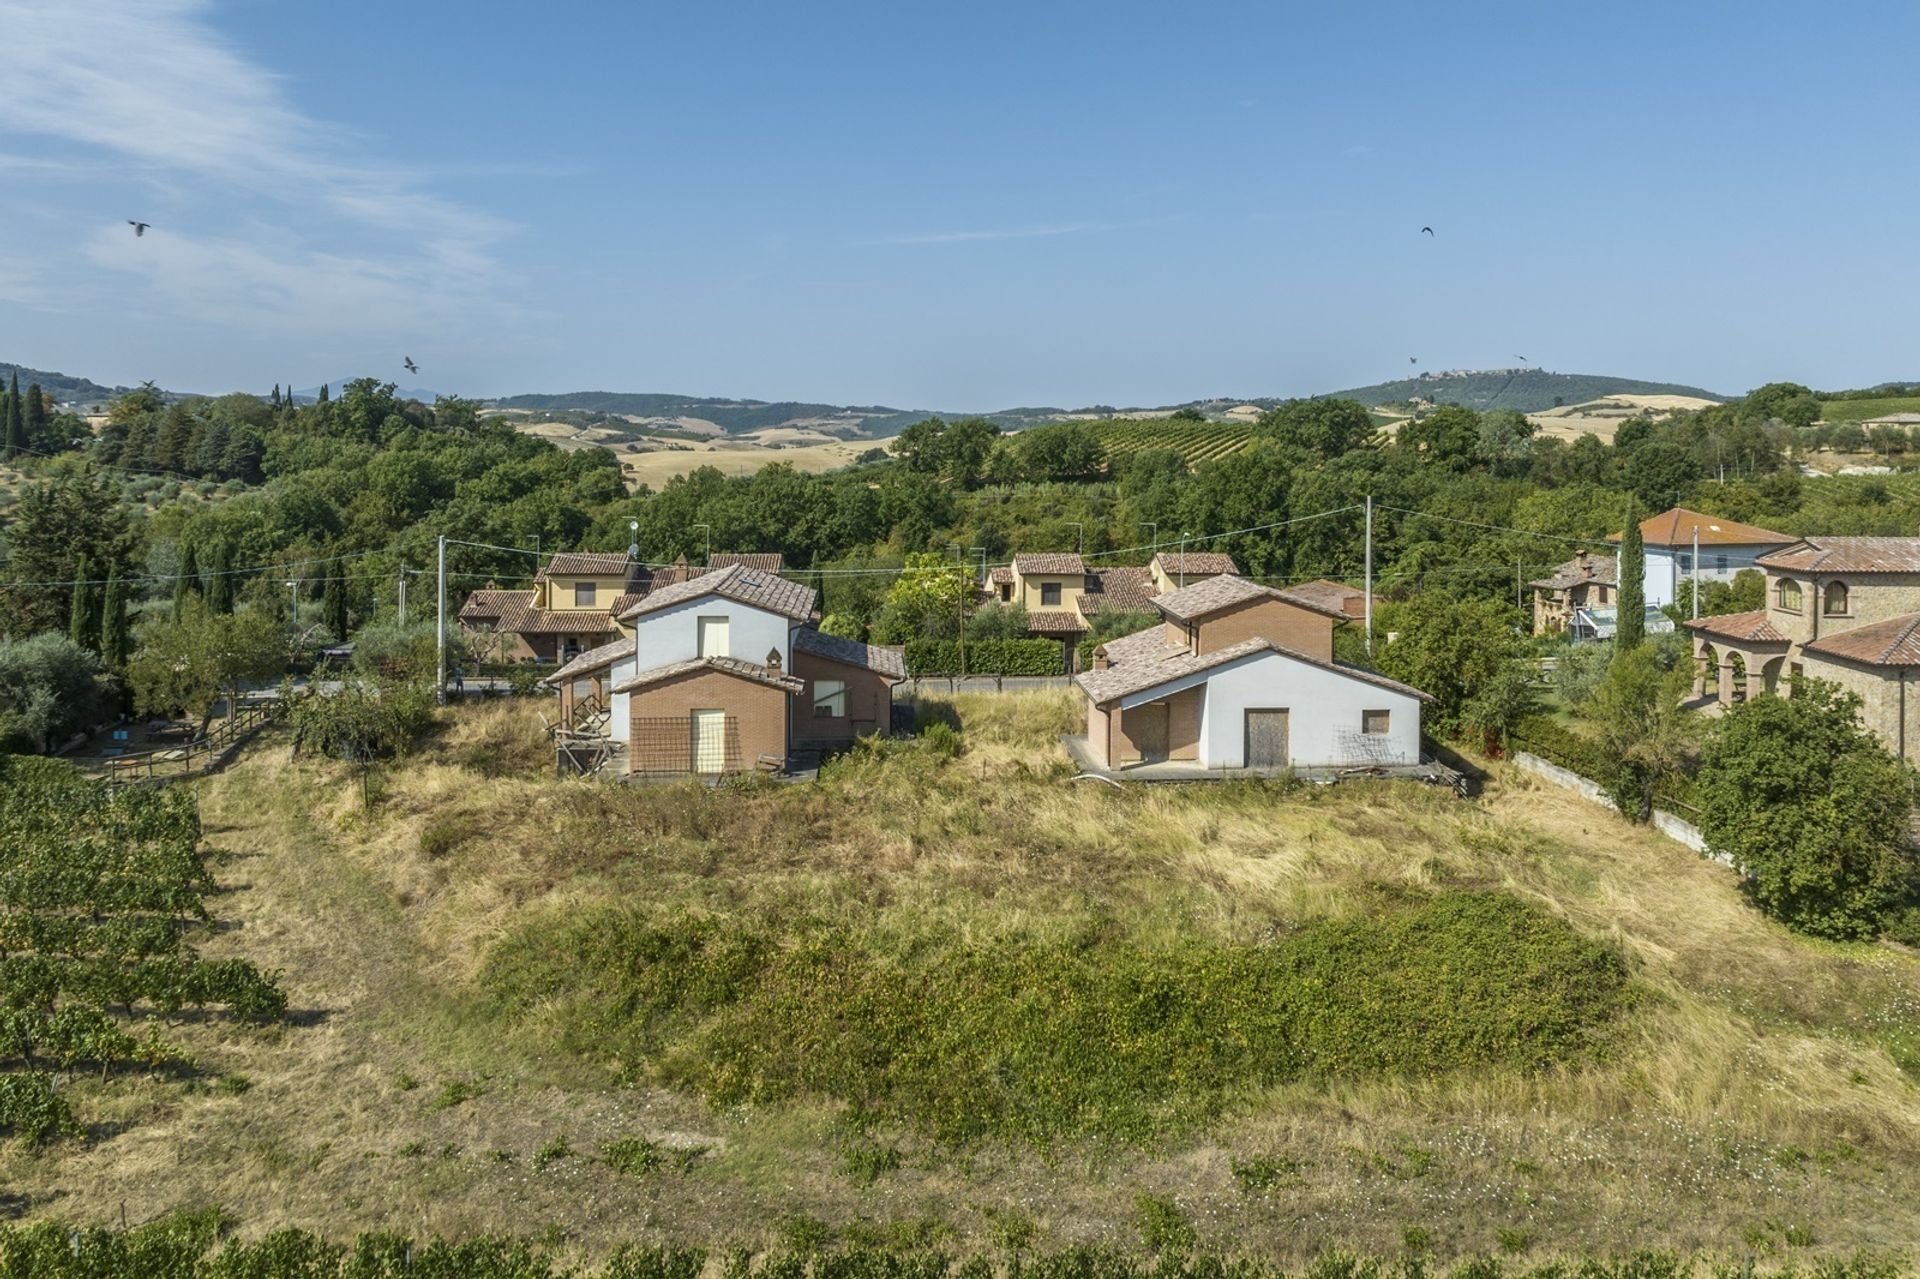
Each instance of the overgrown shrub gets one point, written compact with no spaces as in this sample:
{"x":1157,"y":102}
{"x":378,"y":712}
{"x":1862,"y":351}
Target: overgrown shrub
{"x":985,"y":657}
{"x":1011,"y":1039}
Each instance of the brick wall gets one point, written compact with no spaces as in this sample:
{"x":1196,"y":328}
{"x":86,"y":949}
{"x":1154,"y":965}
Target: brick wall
{"x":759,"y":712}
{"x":1183,"y":728}
{"x":869,"y":700}
{"x":1283,"y":623}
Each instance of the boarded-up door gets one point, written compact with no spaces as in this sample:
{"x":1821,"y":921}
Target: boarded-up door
{"x":709,"y":741}
{"x":712,"y":633}
{"x":1147,"y":726}
{"x":1266,"y":739}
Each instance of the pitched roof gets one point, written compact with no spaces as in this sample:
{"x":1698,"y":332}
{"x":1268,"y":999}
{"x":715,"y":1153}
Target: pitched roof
{"x":1056,"y":622}
{"x":1583,"y":567}
{"x":1225,"y":591}
{"x":1894,"y":642}
{"x":1743,"y":628}
{"x":1119,"y":590}
{"x":1135,"y":670}
{"x":491,"y":603}
{"x":764,"y":561}
{"x":1847,"y":555}
{"x":1067,"y":562}
{"x":584,"y":563}
{"x":725,"y":665}
{"x":1350,"y":601}
{"x":594,"y":659}
{"x":528,"y":620}
{"x":1675,"y":528}
{"x":884,"y":661}
{"x":743,"y":585}
{"x":1001,"y":576}
{"x":1174,"y":563}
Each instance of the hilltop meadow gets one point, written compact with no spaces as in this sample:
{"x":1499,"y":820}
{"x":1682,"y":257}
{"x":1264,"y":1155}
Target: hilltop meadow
{"x":948,"y":997}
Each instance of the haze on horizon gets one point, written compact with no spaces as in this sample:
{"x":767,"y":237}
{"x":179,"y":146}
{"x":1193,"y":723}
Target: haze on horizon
{"x":952,"y":207}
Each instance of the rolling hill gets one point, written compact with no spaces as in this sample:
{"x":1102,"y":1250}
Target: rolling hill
{"x":1529,"y":390}
{"x":65,"y":388}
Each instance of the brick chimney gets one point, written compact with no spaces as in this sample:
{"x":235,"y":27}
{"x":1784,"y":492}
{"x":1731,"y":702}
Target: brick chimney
{"x":1100,"y":662}
{"x":773,"y":660}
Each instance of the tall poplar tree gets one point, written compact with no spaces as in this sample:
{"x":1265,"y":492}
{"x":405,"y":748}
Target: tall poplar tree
{"x":1632,"y":625}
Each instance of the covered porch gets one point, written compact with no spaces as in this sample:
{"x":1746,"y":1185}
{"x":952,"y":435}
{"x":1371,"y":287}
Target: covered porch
{"x":1135,"y":733}
{"x":1739,"y":656}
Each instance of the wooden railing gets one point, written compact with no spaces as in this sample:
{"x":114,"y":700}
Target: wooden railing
{"x":195,"y":757}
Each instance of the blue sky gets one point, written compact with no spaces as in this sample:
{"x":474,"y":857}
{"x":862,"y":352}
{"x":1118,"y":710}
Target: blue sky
{"x":955,"y":206}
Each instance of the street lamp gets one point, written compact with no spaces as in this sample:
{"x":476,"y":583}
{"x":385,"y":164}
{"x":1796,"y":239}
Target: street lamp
{"x":293,"y":601}
{"x":1153,"y":536}
{"x":706,"y":555}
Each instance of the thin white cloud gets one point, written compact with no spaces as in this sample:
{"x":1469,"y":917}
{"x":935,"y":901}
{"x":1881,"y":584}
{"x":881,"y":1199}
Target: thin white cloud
{"x":168,"y":100}
{"x":1008,"y":233}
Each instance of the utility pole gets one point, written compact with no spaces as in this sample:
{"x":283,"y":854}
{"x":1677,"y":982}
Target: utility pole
{"x":960,"y":605}
{"x":440,"y":628}
{"x":706,"y":555}
{"x":1696,"y":572}
{"x":403,"y":597}
{"x":1518,"y":602}
{"x":1184,"y":535}
{"x":1369,"y":577}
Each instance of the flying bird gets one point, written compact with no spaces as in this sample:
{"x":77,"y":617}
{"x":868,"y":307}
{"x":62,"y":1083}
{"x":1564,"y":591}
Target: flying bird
{"x":139,"y":228}
{"x":1523,"y":359}
{"x":1427,"y":230}
{"x":1412,"y":360}
{"x":411,"y":366}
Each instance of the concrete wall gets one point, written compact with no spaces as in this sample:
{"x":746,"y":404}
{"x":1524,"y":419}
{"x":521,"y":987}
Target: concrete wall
{"x":759,"y":712}
{"x":1323,"y":727}
{"x":1668,"y":566}
{"x":869,"y":701}
{"x":1099,"y":730}
{"x":1671,"y":825}
{"x":673,"y":634}
{"x":1283,"y":623}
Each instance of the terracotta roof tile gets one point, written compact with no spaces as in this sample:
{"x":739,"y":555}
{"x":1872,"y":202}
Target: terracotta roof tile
{"x":1226,"y":591}
{"x":1894,"y":642}
{"x":1174,"y":563}
{"x":1049,"y":562}
{"x":760,"y":561}
{"x":1582,"y":568}
{"x":1001,"y":576}
{"x":490,"y":604}
{"x":1052,"y":622}
{"x":874,"y":657}
{"x":587,"y":563}
{"x":1742,"y":628}
{"x":1675,"y":528}
{"x":726,"y":665}
{"x":1119,"y":590}
{"x":1847,"y":555}
{"x":1350,"y":601}
{"x":743,"y":585}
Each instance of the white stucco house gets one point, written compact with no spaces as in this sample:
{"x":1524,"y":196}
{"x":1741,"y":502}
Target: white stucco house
{"x":1726,"y":547}
{"x":1239,"y":675}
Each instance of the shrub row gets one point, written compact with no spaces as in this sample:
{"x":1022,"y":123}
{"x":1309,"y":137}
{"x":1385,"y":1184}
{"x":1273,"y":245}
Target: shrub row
{"x":1556,"y":743}
{"x":985,"y":657}
{"x":190,"y":1246}
{"x":1015,"y":1040}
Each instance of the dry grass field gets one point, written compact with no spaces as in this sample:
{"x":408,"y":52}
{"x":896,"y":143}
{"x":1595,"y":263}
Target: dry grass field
{"x":1759,"y":1095}
{"x":1603,"y":417}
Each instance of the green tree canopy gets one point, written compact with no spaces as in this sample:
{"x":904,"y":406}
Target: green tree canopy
{"x":1812,"y":809}
{"x":192,"y":663}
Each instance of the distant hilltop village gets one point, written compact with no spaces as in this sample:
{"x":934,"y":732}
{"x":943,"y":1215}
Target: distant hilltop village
{"x":1431,"y":376}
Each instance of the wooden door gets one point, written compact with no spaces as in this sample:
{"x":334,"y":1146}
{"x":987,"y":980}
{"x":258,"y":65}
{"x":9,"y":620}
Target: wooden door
{"x":709,"y":741}
{"x":1266,"y":739}
{"x":1147,"y":726}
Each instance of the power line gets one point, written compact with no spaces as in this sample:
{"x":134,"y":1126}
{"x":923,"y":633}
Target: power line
{"x":1495,"y":528}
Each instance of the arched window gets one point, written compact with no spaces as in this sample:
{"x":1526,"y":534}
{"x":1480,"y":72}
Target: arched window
{"x":1789,"y":595}
{"x":1836,"y":605}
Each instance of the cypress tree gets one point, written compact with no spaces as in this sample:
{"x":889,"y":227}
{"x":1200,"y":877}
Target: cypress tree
{"x":82,"y":627}
{"x":114,"y":639}
{"x":12,"y":429}
{"x":1632,"y":626}
{"x":16,"y":421}
{"x":275,"y":401}
{"x":188,"y":581}
{"x":333,"y":606}
{"x":323,"y":393}
{"x":34,"y":423}
{"x":219,"y":580}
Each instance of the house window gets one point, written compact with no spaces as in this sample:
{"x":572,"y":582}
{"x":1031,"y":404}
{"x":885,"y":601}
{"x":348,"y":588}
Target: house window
{"x":1374,"y":723}
{"x":1719,"y":563}
{"x":1836,"y":603}
{"x":1686,"y":561}
{"x":829,"y":699}
{"x":583,"y":594}
{"x":1049,"y":594}
{"x":713,"y":634}
{"x":1789,"y":594}
{"x":1006,"y":592}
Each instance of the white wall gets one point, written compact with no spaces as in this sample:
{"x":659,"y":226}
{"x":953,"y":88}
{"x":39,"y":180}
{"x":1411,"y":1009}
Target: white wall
{"x":672,"y":634}
{"x":1323,"y":727}
{"x":1667,"y":567}
{"x":620,"y":726}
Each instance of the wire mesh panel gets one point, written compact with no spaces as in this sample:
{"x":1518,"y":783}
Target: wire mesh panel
{"x":704,"y":742}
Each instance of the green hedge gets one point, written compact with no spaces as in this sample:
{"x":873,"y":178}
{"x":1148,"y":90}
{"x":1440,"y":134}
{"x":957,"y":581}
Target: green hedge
{"x":986,"y":657}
